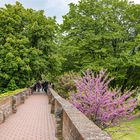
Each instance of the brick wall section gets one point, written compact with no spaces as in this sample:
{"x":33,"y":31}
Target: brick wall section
{"x":6,"y":103}
{"x":71,"y":124}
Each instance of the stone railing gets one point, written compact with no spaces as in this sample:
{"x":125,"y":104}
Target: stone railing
{"x":8,"y":104}
{"x":71,"y":124}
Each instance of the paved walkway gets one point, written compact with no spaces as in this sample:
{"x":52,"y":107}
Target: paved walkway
{"x":32,"y":121}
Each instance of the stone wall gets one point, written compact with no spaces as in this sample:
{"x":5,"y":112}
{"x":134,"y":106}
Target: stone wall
{"x":71,"y":124}
{"x":5,"y":108}
{"x":6,"y":104}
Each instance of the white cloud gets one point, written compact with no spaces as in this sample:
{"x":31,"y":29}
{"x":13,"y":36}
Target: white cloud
{"x":137,"y":1}
{"x":58,"y":8}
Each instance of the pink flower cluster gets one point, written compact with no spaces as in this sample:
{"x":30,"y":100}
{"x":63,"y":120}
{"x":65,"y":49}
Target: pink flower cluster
{"x":96,"y":100}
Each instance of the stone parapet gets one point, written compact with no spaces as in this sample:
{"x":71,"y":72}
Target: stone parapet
{"x":9,"y":104}
{"x":71,"y":124}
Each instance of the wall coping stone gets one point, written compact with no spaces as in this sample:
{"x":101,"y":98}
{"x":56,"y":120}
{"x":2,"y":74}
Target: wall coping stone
{"x":87,"y":129}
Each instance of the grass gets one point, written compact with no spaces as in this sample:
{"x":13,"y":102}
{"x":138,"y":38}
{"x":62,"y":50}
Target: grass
{"x":9,"y":93}
{"x":126,"y":131}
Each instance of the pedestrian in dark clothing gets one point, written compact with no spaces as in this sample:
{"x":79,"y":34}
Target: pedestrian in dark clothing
{"x":38,"y":86}
{"x":45,"y":86}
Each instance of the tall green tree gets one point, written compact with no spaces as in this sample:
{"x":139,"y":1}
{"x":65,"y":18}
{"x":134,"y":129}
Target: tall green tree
{"x":27,"y":45}
{"x":102,"y":34}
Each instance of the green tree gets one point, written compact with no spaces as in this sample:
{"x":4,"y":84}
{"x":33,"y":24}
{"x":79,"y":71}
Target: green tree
{"x":27,"y":46}
{"x":101,"y":35}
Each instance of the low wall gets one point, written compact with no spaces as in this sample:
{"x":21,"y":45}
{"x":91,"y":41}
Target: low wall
{"x":5,"y":108}
{"x":6,"y":104}
{"x":71,"y":124}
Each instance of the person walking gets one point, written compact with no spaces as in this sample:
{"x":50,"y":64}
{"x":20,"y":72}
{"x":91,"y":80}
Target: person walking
{"x":38,"y":86}
{"x":45,"y":86}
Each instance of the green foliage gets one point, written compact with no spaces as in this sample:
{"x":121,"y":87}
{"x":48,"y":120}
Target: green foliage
{"x":27,"y":46}
{"x":103,"y":34}
{"x":66,"y":83}
{"x":12,"y":85}
{"x":10,"y":93}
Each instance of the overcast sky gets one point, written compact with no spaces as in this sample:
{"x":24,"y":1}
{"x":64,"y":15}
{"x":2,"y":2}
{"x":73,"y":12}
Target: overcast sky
{"x":56,"y":8}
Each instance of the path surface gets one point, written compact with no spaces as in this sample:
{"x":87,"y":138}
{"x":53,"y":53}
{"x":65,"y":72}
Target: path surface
{"x":32,"y":121}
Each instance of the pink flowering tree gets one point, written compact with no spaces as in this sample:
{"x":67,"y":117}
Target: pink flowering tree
{"x":96,"y":100}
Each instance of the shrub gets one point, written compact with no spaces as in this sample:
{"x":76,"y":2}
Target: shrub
{"x":104,"y":106}
{"x":12,"y":85}
{"x":66,"y":84}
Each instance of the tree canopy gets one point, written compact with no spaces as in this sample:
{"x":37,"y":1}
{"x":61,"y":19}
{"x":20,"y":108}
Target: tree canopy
{"x":27,"y":46}
{"x":103,"y":34}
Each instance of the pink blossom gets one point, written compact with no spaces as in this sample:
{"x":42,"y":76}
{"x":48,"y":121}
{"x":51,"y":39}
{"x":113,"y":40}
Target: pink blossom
{"x":104,"y":106}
